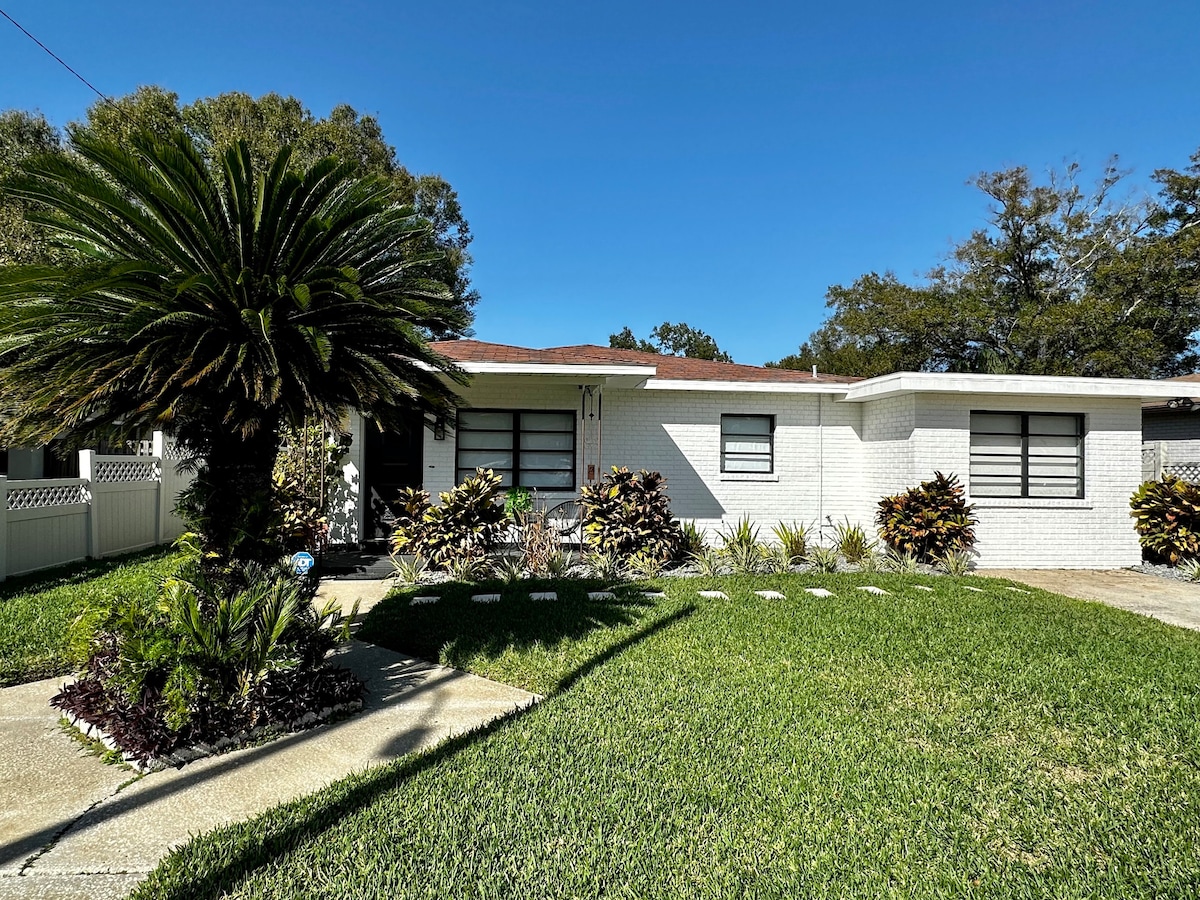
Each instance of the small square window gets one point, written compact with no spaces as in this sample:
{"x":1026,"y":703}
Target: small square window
{"x":748,"y":444}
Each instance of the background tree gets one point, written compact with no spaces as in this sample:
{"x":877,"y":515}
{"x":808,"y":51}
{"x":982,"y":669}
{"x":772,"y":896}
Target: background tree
{"x":221,"y":302}
{"x":1063,"y":281}
{"x":22,"y":135}
{"x":266,"y":124}
{"x":671,"y":340}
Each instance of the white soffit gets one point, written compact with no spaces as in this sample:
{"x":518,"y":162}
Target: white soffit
{"x":1029,"y":385}
{"x":747,"y":387}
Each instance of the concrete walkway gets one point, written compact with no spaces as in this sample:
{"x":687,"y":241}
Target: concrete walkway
{"x":1176,"y":602}
{"x":72,"y":827}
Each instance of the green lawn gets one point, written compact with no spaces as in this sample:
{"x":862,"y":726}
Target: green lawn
{"x":942,"y":744}
{"x":36,"y":611}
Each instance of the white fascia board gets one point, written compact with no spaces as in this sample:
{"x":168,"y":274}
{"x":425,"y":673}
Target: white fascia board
{"x":1029,"y":385}
{"x":745,"y":387}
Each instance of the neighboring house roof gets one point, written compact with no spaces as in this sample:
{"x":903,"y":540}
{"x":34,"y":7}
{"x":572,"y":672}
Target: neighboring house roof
{"x":1185,"y":391}
{"x":667,"y":368}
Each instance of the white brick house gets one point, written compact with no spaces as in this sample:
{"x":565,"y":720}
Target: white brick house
{"x":1049,"y":463}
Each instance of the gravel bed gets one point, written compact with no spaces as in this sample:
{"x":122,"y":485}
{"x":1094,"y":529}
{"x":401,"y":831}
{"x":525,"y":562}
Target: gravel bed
{"x":1162,"y":571}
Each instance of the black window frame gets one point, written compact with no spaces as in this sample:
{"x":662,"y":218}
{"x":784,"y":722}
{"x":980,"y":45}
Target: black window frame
{"x":516,"y":432}
{"x":1080,"y":458}
{"x":770,"y":417}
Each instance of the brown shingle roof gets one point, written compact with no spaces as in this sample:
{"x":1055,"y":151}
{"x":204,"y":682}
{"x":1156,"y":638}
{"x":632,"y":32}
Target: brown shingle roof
{"x":671,"y":368}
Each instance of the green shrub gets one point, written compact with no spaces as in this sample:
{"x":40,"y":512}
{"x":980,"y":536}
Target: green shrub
{"x":851,"y":542}
{"x":306,"y":470}
{"x":793,"y":538}
{"x":824,"y":560}
{"x":206,"y":658}
{"x":467,"y":525}
{"x":740,"y":546}
{"x":928,"y":521}
{"x":517,"y":502}
{"x":693,"y":538}
{"x":1167,"y":519}
{"x":630,"y":514}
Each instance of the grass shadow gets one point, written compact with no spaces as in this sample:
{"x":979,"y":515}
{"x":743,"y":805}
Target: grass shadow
{"x":208,"y":868}
{"x":456,"y":627}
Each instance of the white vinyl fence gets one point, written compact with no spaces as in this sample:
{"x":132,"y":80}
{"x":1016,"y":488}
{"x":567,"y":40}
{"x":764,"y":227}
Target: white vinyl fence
{"x":118,"y":504}
{"x":1178,"y":458}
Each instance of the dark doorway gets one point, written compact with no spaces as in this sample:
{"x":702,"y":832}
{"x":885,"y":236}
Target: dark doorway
{"x":393,"y":461}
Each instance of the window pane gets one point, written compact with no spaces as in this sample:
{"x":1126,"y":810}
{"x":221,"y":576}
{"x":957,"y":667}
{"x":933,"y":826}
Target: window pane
{"x":1064,"y":488}
{"x":747,"y":464}
{"x":1039,"y":468}
{"x":547,"y":460}
{"x":552,"y":421}
{"x":996,"y":443}
{"x":548,"y":479}
{"x":1068,"y":425}
{"x":485,"y":440}
{"x":1058,"y":445}
{"x":991,"y":487}
{"x":547,"y":440}
{"x":1005,"y":423}
{"x":987,"y":467}
{"x":496,"y":421}
{"x":762,"y":447}
{"x":756,"y":425}
{"x":485,"y":459}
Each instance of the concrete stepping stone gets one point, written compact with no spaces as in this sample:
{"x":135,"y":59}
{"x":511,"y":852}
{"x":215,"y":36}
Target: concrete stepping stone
{"x":818,"y":592}
{"x":1015,"y":590}
{"x":486,"y":598}
{"x":601,"y":595}
{"x":878,"y":591}
{"x":543,"y":595}
{"x":714,"y":595}
{"x":923,"y":587}
{"x":770,"y":595}
{"x":967,"y":587}
{"x":653,"y":595}
{"x":418,"y":601}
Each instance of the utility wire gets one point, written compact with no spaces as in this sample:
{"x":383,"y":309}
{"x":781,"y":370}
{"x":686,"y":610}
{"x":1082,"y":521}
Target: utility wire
{"x":59,"y":60}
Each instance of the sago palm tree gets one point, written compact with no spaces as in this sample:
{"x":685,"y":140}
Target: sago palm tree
{"x":221,"y":304}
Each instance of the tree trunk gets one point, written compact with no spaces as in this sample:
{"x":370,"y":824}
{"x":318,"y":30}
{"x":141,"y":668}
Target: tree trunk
{"x":234,"y":508}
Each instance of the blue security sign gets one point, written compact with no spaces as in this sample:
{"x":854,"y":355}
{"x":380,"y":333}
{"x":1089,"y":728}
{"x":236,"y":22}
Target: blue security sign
{"x":302,"y":562}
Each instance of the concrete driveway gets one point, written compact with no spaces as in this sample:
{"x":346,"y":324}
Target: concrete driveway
{"x":1176,"y":602}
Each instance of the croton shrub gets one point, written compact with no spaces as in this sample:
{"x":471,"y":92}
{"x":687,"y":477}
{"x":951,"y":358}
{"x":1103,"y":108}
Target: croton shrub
{"x":929,"y":521}
{"x":1167,"y":519}
{"x":468,"y":524}
{"x":629,"y":514}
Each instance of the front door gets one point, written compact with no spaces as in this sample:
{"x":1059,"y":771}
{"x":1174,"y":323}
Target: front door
{"x":394,"y":461}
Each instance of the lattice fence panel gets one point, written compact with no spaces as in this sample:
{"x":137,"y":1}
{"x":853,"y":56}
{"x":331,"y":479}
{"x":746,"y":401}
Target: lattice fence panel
{"x":172,"y":450}
{"x":123,"y":471}
{"x":43,"y":497}
{"x":1184,"y":471}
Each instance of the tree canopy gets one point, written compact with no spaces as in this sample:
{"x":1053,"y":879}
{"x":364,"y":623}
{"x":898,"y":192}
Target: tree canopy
{"x":1062,"y":281}
{"x":671,"y":340}
{"x":264,"y":125}
{"x":221,"y":301}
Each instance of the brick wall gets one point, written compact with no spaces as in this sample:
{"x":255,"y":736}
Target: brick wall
{"x":833,"y":460}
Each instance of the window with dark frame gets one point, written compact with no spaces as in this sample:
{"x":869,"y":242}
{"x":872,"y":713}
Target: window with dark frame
{"x":748,"y":444}
{"x":526,"y":448}
{"x":1026,"y":455}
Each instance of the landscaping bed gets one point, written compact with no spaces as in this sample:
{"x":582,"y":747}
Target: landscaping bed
{"x":946,"y":742}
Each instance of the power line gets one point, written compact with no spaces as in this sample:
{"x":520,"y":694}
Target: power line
{"x":58,"y":58}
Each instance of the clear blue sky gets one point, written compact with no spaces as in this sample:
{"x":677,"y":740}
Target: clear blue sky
{"x":630,"y":163}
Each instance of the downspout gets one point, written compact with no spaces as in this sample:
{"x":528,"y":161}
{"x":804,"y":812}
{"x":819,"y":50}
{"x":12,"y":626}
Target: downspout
{"x":820,"y":470}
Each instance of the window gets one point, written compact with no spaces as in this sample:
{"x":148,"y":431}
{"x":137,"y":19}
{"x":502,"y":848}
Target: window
{"x":748,"y":444}
{"x":527,"y":448}
{"x":1026,"y":454}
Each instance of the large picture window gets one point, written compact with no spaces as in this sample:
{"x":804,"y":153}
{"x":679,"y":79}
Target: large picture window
{"x":526,"y":448}
{"x":748,"y":444}
{"x":1026,"y":454}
